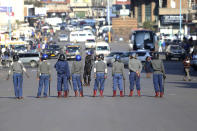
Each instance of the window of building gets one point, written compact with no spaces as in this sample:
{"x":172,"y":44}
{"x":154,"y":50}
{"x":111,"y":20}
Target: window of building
{"x":148,"y":11}
{"x":139,"y":13}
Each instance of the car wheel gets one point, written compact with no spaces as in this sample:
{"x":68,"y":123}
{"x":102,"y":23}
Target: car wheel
{"x":33,"y":63}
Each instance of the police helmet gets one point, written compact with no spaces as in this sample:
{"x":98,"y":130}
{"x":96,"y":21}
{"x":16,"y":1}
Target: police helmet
{"x":101,"y":57}
{"x":61,"y":57}
{"x":117,"y":58}
{"x":88,"y":53}
{"x":15,"y":58}
{"x":155,"y":55}
{"x":78,"y":58}
{"x":133,"y":55}
{"x":44,"y":57}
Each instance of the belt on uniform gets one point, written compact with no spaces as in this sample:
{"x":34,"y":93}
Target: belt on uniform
{"x":131,"y":71}
{"x":99,"y":72}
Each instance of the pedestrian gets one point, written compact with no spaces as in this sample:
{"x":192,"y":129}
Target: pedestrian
{"x":100,"y":74}
{"x":148,"y":67}
{"x":76,"y":72}
{"x":87,"y":69}
{"x":187,"y":64}
{"x":158,"y":75}
{"x":118,"y":75}
{"x":43,"y":75}
{"x":17,"y":68}
{"x":135,"y":68}
{"x":63,"y":75}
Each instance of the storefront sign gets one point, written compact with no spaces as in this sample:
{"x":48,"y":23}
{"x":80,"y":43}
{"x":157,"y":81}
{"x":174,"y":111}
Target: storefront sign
{"x":171,"y":19}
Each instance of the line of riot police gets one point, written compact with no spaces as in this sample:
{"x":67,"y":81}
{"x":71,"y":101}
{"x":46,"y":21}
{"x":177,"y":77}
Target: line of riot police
{"x":65,"y":75}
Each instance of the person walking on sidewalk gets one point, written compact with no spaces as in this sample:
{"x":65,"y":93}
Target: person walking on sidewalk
{"x":187,"y":64}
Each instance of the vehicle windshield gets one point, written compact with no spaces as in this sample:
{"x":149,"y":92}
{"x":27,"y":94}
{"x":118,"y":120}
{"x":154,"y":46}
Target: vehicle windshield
{"x":54,"y":47}
{"x":90,"y":40}
{"x":72,"y":49}
{"x":102,"y":48}
{"x":175,"y":48}
{"x":63,"y":35}
{"x":19,"y":47}
{"x":143,"y":38}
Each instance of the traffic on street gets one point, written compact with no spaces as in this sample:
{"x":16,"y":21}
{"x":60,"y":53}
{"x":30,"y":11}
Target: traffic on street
{"x":73,"y":72}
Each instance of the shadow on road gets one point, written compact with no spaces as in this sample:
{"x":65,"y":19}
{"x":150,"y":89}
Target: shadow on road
{"x":183,"y":84}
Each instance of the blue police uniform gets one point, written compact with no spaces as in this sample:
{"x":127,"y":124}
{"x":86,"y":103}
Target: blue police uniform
{"x":63,"y":74}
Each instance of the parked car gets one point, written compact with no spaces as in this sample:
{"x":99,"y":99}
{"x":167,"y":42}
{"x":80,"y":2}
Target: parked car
{"x":30,"y":58}
{"x":63,"y":37}
{"x":141,"y":55}
{"x":71,"y":50}
{"x":52,"y":50}
{"x":111,"y":57}
{"x":175,"y":51}
{"x":90,"y":43}
{"x":194,"y":61}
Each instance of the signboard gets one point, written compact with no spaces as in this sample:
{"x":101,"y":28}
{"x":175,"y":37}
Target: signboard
{"x":124,"y":12}
{"x":120,"y":2}
{"x":41,"y":11}
{"x":171,"y":19}
{"x":5,"y":9}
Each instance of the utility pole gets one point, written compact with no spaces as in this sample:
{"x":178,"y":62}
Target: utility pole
{"x":108,"y":20}
{"x":9,"y":19}
{"x":180,"y":24}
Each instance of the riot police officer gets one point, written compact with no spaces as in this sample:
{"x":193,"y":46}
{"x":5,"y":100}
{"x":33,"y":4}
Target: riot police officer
{"x":135,"y":68}
{"x":63,"y":75}
{"x":158,"y":75}
{"x":118,"y":74}
{"x":76,"y":72}
{"x":43,"y":75}
{"x":88,"y":69}
{"x":100,"y":74}
{"x":17,"y":68}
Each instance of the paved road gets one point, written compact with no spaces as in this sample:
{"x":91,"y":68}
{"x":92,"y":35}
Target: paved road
{"x":175,"y":112}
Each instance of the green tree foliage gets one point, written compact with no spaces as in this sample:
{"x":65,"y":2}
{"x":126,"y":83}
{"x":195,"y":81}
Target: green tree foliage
{"x":149,"y":25}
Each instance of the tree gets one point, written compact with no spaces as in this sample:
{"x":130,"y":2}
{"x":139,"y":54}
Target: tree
{"x":149,"y":25}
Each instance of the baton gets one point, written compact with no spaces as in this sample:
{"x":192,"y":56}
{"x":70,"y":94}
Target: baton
{"x":124,"y":88}
{"x":49,"y":88}
{"x":70,"y":84}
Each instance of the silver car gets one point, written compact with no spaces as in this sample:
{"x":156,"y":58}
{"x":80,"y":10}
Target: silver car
{"x":141,"y":55}
{"x":30,"y":58}
{"x":111,"y":57}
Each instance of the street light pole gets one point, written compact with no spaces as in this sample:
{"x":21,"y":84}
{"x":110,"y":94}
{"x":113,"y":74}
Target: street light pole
{"x":108,"y":20}
{"x":180,"y":26}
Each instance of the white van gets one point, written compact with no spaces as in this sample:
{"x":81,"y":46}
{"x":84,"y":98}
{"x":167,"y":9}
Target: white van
{"x":102,"y":48}
{"x":81,"y":36}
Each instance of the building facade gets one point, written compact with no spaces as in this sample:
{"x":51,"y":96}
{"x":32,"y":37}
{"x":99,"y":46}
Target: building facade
{"x":144,"y":10}
{"x":169,"y":16}
{"x":16,"y":9}
{"x":56,"y":8}
{"x":87,"y":8}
